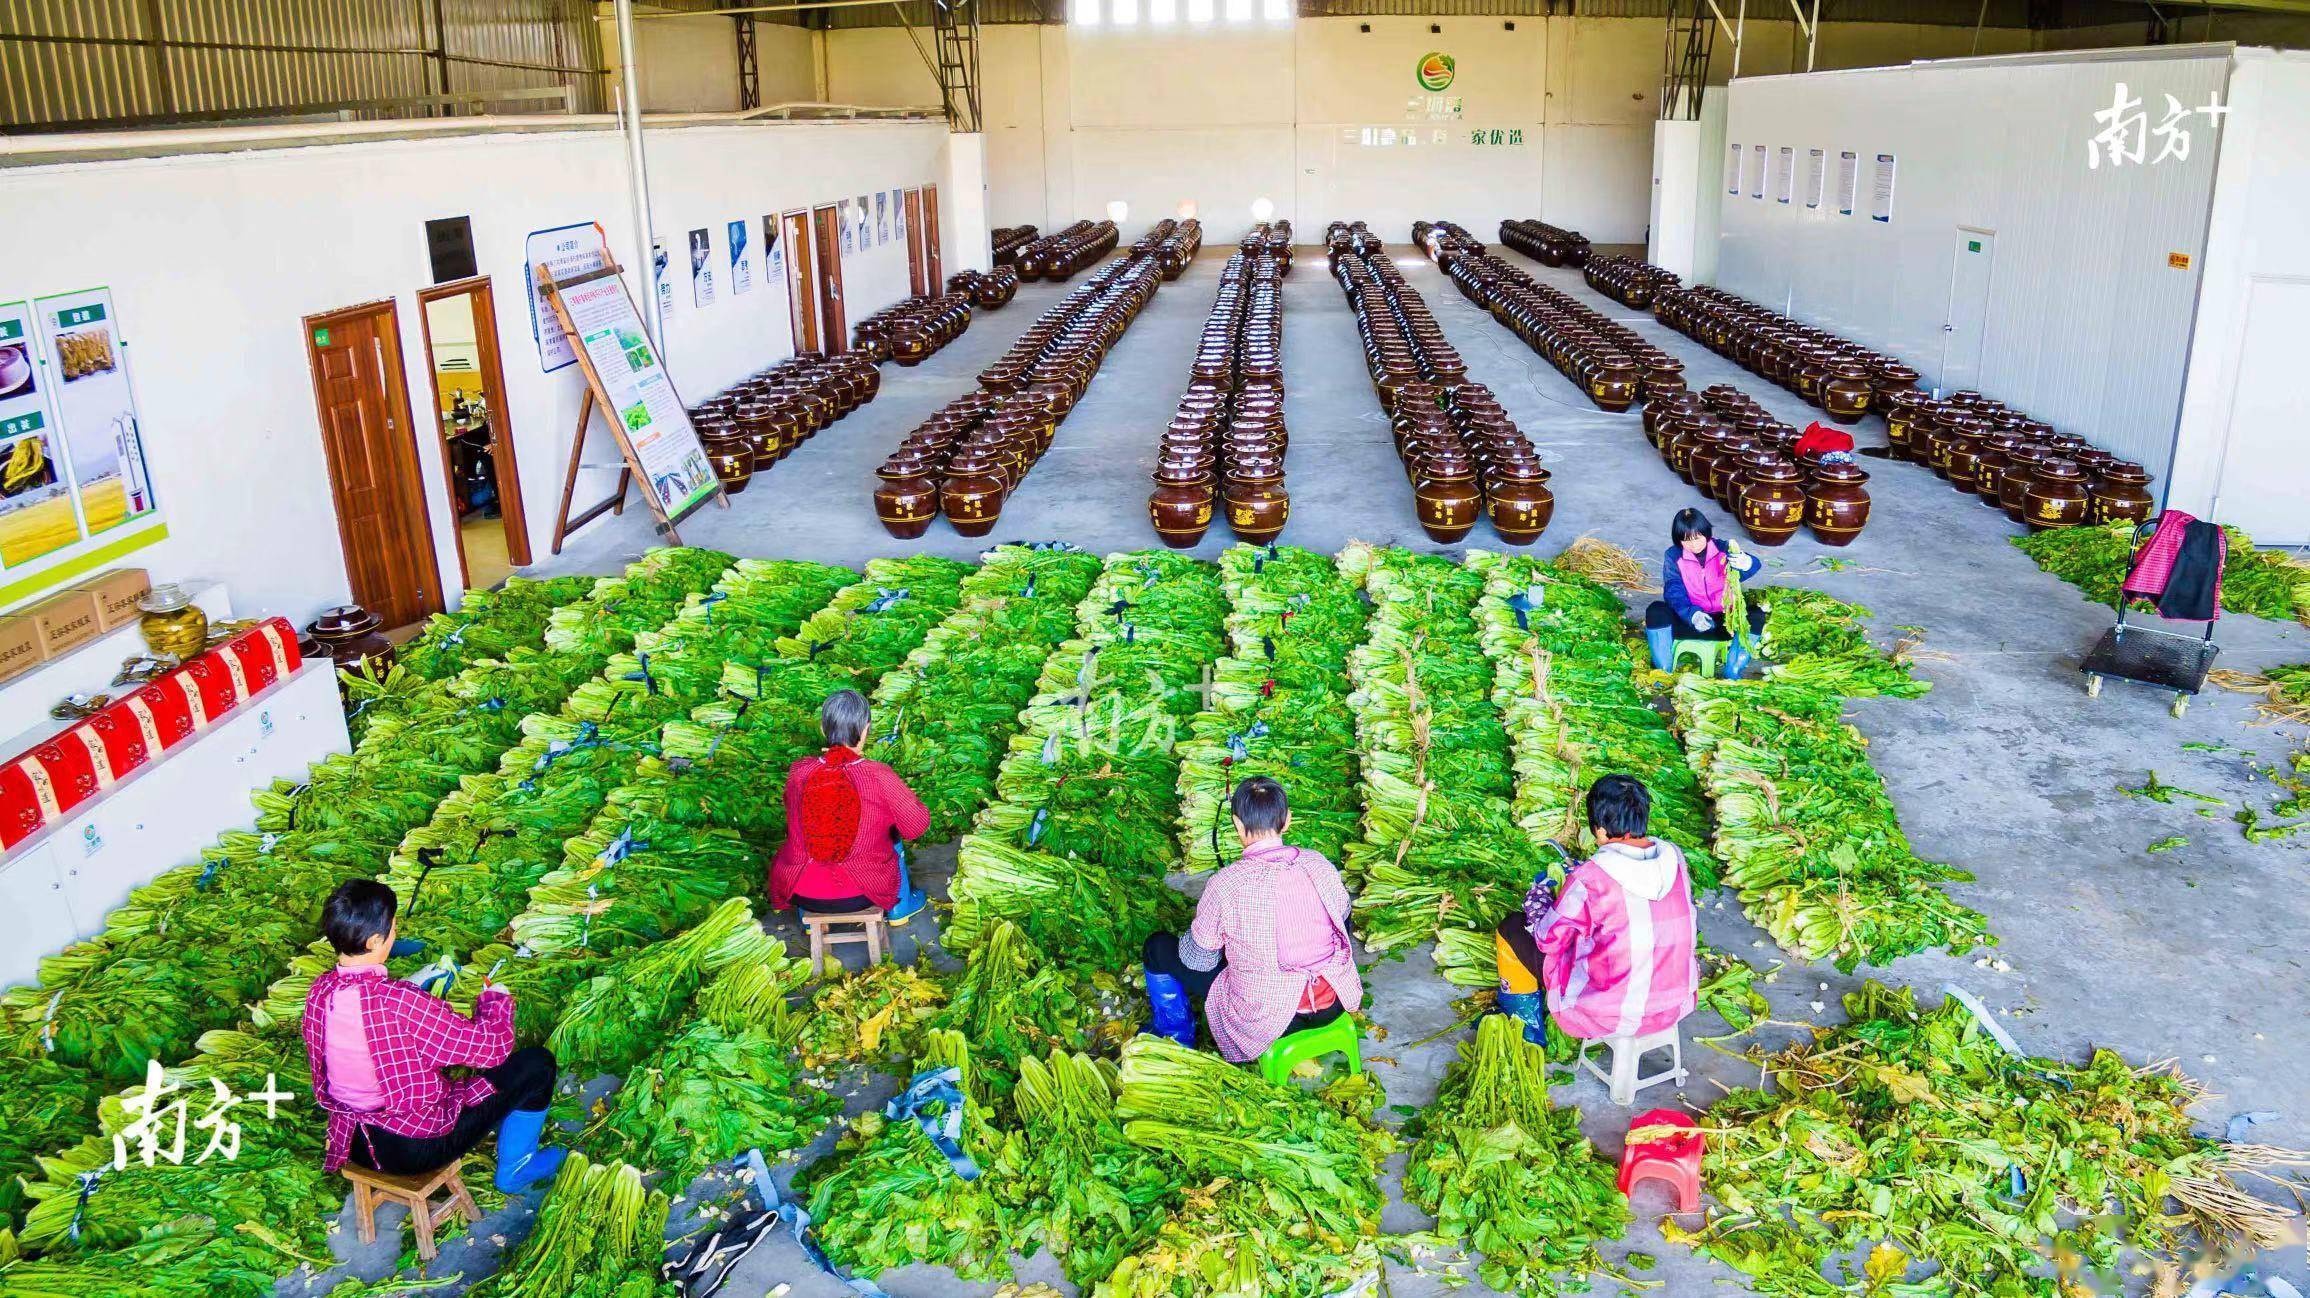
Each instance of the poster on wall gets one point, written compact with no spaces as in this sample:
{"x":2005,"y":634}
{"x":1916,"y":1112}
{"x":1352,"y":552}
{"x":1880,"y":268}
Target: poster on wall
{"x":642,"y":401}
{"x":1881,"y":194}
{"x":865,"y":214}
{"x":773,"y":253}
{"x":898,"y":214}
{"x":35,"y":505}
{"x":1816,"y":174}
{"x":1784,"y":174}
{"x":1757,"y":172}
{"x":87,"y":368}
{"x":881,"y":218}
{"x":741,"y":266}
{"x":849,"y":228}
{"x":659,"y":264}
{"x":1848,"y":178}
{"x":568,"y":251}
{"x":1732,"y":169}
{"x":701,"y":267}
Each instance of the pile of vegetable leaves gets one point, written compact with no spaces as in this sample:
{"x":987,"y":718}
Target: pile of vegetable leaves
{"x":600,"y":1234}
{"x":1965,"y":1170}
{"x":1817,"y":641}
{"x":2093,"y":558}
{"x":874,"y":1017}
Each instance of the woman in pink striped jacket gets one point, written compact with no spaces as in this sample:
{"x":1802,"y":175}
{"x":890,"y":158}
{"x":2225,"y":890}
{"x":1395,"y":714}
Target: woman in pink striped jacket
{"x":1613,"y":950}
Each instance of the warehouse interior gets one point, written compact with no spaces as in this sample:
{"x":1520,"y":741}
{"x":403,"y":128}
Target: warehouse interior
{"x":451,"y":451}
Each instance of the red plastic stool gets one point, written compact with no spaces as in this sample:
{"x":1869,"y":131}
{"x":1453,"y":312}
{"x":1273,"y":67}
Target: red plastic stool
{"x":1675,"y":1159}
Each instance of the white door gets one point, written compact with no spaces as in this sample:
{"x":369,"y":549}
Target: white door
{"x":1963,"y":330}
{"x":2265,"y":476}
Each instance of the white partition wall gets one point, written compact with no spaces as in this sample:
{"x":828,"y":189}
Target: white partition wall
{"x":2018,"y":257}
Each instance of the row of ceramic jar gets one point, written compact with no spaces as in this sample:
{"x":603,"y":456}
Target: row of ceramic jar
{"x":1272,"y":238}
{"x":1059,"y":256}
{"x":1728,"y":447}
{"x":913,"y":329}
{"x":1173,"y":244}
{"x":1008,"y":239}
{"x":753,"y":425}
{"x":1610,"y":362}
{"x":1464,"y":456}
{"x":966,"y":460}
{"x":2037,"y":476}
{"x":1547,"y":244}
{"x":987,"y":289}
{"x":1844,"y":379}
{"x":1444,"y":240}
{"x":1628,"y":281}
{"x":1226,"y":440}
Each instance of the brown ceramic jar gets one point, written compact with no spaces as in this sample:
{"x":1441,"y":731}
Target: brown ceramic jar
{"x":1614,"y":384}
{"x":972,"y":495}
{"x":907,"y":499}
{"x":1447,"y":497}
{"x":1772,"y":503}
{"x":2013,"y":484}
{"x":1845,"y":392}
{"x":2121,"y":493}
{"x":1837,"y":504}
{"x":733,"y":463}
{"x":1517,"y":498}
{"x":2057,"y":496}
{"x":1180,"y":507}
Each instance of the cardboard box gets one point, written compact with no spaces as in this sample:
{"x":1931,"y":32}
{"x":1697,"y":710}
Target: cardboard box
{"x":117,"y":590}
{"x":19,"y":646}
{"x":66,"y":620}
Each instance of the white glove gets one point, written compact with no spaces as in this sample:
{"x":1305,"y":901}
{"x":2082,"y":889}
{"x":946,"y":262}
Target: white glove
{"x":1702,"y":622}
{"x":437,"y":977}
{"x":1732,"y":550}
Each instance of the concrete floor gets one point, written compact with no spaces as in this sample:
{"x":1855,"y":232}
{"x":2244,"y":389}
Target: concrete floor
{"x":2006,"y":768}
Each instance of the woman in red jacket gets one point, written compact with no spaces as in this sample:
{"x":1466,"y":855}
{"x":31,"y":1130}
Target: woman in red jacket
{"x":845,"y":819}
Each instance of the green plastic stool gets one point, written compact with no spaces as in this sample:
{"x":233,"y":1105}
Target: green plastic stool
{"x":1340,"y":1036}
{"x":1710,"y":653}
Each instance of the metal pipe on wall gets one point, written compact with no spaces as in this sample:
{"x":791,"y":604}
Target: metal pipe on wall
{"x":638,"y":174}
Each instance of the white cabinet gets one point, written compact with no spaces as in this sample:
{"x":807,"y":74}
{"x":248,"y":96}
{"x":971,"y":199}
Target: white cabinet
{"x":33,"y":912}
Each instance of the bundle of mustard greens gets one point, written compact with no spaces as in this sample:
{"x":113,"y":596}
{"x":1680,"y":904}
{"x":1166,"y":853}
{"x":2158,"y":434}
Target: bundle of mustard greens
{"x":192,"y":1258}
{"x":887,"y":1197}
{"x":1573,"y":711}
{"x":1014,"y":1006}
{"x":1092,"y":1196}
{"x":42,"y":1103}
{"x":1818,"y":641}
{"x":613,"y":1021}
{"x":722,"y":765}
{"x":600,"y":1234}
{"x":1075,"y":848}
{"x":723,"y":1083}
{"x":2094,"y":558}
{"x":190,"y":947}
{"x":1509,"y":1175}
{"x":1953,"y":1165}
{"x":1441,"y":847}
{"x":1807,"y":833}
{"x":941,"y":719}
{"x":1278,"y":705}
{"x":1289,"y":1200}
{"x":488,"y":624}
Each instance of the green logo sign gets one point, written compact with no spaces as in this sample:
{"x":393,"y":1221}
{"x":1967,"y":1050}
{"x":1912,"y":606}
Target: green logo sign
{"x":1435,"y":71}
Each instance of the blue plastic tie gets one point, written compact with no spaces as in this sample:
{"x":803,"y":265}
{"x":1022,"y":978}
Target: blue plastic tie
{"x":88,"y":1182}
{"x":886,"y":599}
{"x":1520,"y":604}
{"x":1035,"y":826}
{"x":937,"y":1086}
{"x":797,"y":1219}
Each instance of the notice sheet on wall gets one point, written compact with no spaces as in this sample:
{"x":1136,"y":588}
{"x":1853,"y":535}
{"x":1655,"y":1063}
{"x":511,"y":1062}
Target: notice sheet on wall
{"x":35,"y":504}
{"x":1881,"y":195}
{"x":1848,"y":177}
{"x":1757,"y":172}
{"x":1784,"y":173}
{"x":1732,"y":169}
{"x":701,"y":267}
{"x":881,"y":217}
{"x":568,"y":251}
{"x":648,"y":413}
{"x":898,"y":214}
{"x":1816,"y":173}
{"x":741,"y":265}
{"x":87,"y":366}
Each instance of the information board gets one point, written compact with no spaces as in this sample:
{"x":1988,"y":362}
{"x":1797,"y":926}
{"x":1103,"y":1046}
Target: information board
{"x":1848,"y":178}
{"x":568,"y":251}
{"x":1881,"y":196}
{"x":36,"y":516}
{"x":86,"y":365}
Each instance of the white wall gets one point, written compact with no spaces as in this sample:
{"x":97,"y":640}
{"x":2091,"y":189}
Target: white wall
{"x":2241,"y":456}
{"x":2088,"y":323}
{"x":215,"y":258}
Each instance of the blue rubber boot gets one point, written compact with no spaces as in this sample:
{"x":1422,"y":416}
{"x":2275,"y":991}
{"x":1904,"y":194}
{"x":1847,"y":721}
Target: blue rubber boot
{"x":910,"y":898}
{"x":1736,"y":660}
{"x":1173,"y":1015}
{"x":1525,"y":1008}
{"x":1662,"y":640}
{"x":520,"y":1163}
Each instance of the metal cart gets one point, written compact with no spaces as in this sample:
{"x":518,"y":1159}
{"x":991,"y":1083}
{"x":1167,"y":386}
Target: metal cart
{"x":2147,"y":655}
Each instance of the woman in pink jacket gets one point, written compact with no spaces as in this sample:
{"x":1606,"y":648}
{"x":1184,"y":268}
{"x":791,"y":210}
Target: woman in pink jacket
{"x":1268,"y":953}
{"x":1613,"y":950}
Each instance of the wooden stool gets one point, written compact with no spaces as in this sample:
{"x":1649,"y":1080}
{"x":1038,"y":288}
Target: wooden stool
{"x":415,"y":1193}
{"x":873,"y":930}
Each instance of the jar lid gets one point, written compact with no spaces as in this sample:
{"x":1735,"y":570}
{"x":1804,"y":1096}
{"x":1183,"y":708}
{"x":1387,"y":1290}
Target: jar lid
{"x":344,"y":620}
{"x":169,"y":597}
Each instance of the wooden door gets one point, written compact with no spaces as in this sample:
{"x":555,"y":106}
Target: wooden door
{"x":479,"y":298}
{"x":930,"y":233}
{"x":833,"y":324}
{"x":801,"y":280}
{"x":362,"y":395}
{"x":917,"y":265}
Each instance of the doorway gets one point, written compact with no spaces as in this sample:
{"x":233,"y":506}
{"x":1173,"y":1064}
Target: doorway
{"x":833,"y":326}
{"x":917,"y":265}
{"x":1965,"y":328}
{"x":801,"y":280}
{"x":476,"y":429}
{"x":361,"y":391}
{"x":930,"y":233}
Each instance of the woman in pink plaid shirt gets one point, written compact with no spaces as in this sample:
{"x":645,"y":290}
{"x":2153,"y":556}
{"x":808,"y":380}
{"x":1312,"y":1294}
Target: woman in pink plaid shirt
{"x":1268,"y":953}
{"x":380,"y":1049}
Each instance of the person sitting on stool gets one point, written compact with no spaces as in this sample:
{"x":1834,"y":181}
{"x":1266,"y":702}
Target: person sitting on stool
{"x":1614,"y":949}
{"x":845,"y":819}
{"x":378,"y":1048}
{"x":1268,"y":953}
{"x":1691,"y":606}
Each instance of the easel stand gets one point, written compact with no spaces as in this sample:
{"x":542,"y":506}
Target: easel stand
{"x":614,"y":503}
